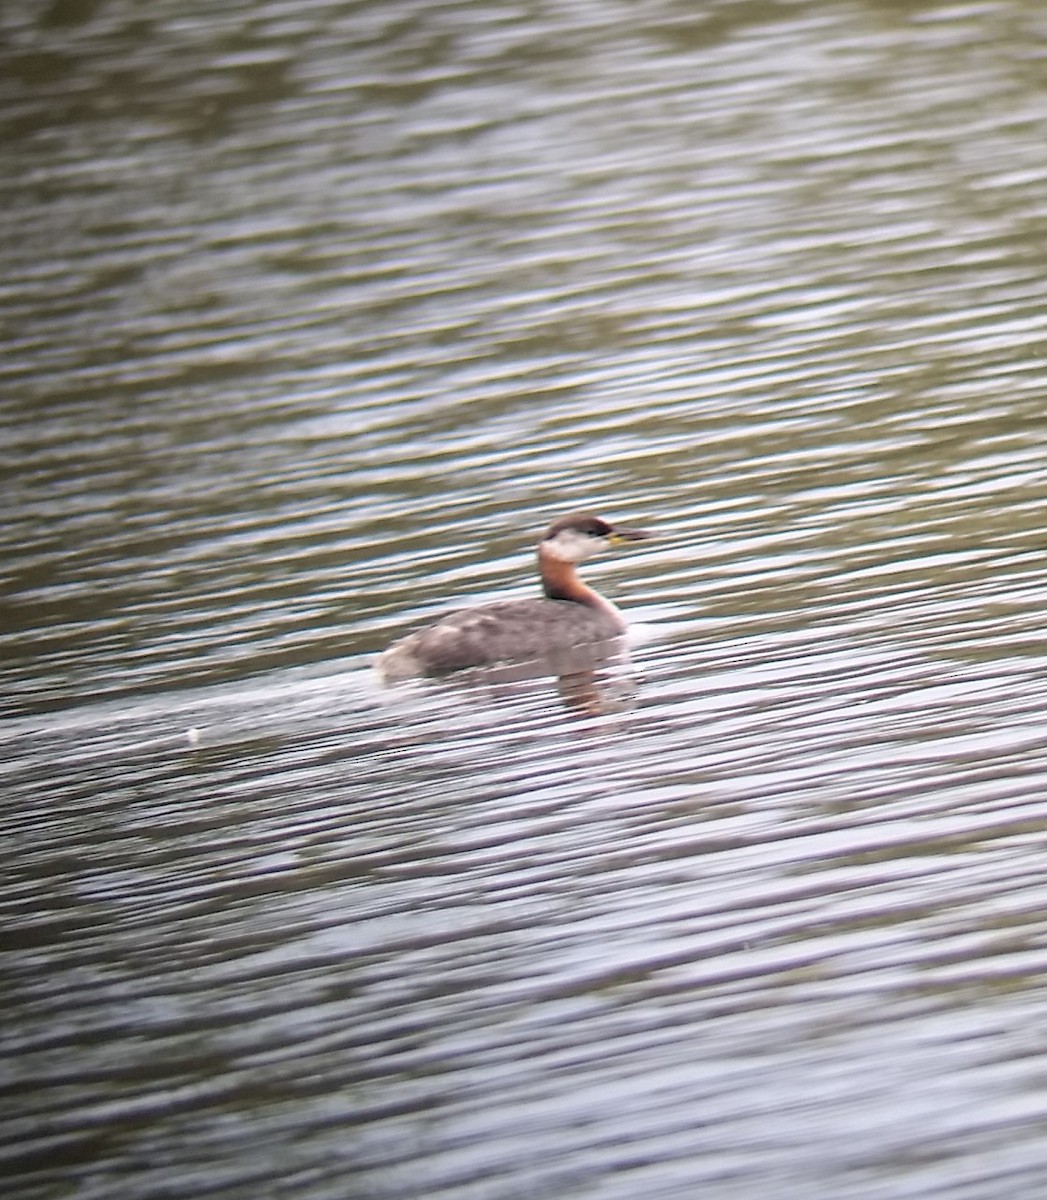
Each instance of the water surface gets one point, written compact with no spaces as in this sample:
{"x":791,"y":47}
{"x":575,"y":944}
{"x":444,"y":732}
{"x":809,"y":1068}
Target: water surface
{"x":312,"y":318}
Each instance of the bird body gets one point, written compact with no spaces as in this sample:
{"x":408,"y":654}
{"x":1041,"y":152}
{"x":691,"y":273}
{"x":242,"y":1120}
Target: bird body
{"x":570,"y":615}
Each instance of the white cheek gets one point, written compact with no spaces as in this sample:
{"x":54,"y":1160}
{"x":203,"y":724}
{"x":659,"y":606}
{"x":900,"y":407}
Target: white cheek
{"x":571,"y":546}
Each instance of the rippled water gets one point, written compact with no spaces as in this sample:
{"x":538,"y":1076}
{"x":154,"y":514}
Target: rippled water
{"x":312,"y":316}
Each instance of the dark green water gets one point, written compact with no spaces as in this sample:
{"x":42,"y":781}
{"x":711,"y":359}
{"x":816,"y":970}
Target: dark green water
{"x":311,"y":317}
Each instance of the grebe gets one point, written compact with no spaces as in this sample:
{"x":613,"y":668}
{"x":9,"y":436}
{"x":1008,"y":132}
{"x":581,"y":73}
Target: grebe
{"x":572,"y":615}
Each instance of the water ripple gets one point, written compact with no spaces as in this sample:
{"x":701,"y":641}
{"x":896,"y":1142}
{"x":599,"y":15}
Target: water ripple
{"x":312,"y":319}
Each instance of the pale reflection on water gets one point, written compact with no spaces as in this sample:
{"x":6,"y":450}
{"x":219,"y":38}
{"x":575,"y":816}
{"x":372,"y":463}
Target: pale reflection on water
{"x":311,"y":320}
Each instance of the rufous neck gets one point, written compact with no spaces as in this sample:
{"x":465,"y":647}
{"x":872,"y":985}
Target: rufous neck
{"x":560,"y":581}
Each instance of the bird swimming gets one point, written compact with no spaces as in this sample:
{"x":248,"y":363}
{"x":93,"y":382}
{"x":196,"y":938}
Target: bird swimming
{"x":569,"y":616}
